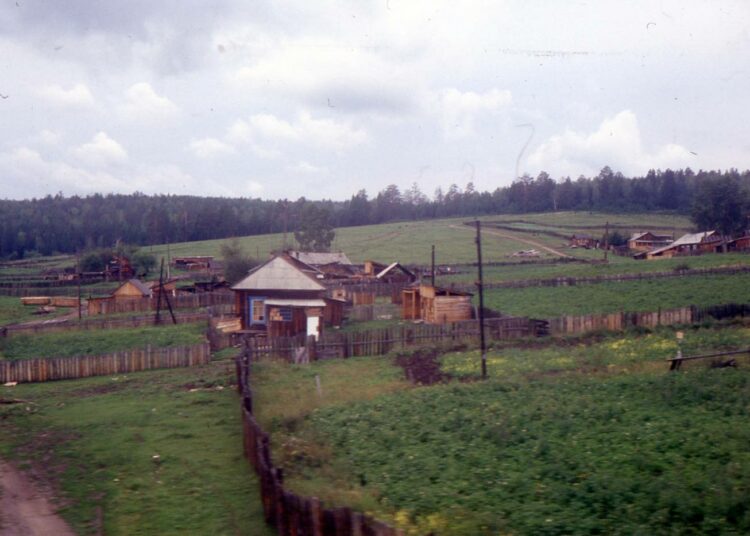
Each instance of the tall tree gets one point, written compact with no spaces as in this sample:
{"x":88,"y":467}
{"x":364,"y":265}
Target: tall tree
{"x":720,"y":205}
{"x":315,"y":231}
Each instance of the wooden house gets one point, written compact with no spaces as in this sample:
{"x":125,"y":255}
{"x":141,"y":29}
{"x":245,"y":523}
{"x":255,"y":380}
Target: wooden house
{"x":435,"y":305}
{"x":283,"y":297}
{"x":132,"y":289}
{"x":582,"y":240}
{"x":396,"y":273}
{"x":689,"y":244}
{"x":648,"y":241}
{"x":319,"y":258}
{"x":739,"y":244}
{"x":193,"y":262}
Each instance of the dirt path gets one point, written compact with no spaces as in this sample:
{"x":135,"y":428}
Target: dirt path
{"x":25,"y":510}
{"x":497,"y":232}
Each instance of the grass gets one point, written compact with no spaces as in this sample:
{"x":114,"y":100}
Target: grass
{"x":564,"y":439}
{"x":13,"y":311}
{"x":72,"y":343}
{"x":646,"y":295}
{"x":140,"y":454}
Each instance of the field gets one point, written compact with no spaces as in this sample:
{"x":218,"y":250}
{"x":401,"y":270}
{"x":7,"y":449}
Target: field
{"x":148,"y":453}
{"x":74,"y":343}
{"x":645,"y":295}
{"x":585,"y":439}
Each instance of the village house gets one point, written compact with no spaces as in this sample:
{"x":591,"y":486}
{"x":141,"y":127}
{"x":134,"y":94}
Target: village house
{"x":193,"y":262}
{"x":647,"y":241}
{"x":435,"y":305}
{"x":284,"y":297}
{"x":739,"y":244}
{"x":689,"y":244}
{"x":130,"y":290}
{"x":582,"y":240}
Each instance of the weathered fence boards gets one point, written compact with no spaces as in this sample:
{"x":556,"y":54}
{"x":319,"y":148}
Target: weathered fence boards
{"x":381,"y":341}
{"x":53,"y":326}
{"x":289,"y":513}
{"x":64,"y":368}
{"x":569,"y":325}
{"x":181,"y":301}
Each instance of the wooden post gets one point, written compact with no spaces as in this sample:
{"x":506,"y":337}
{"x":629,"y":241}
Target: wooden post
{"x":432,"y":272}
{"x":480,"y":284}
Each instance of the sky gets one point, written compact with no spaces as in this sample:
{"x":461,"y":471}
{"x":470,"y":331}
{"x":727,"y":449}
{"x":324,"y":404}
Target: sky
{"x":272,"y":99}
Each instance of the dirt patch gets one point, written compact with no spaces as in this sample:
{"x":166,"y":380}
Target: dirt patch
{"x":103,"y":389}
{"x":422,"y":367}
{"x":26,"y":507}
{"x":517,"y":239}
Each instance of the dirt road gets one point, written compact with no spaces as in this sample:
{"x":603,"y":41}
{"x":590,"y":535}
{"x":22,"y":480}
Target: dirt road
{"x":509,"y":236}
{"x":25,"y":509}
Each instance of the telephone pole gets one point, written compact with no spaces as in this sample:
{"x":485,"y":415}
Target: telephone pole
{"x":480,"y":287}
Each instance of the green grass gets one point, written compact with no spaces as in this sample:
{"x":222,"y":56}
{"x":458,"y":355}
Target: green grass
{"x":646,"y":295}
{"x":13,"y":311}
{"x":94,"y":342}
{"x":96,"y":441}
{"x":564,"y":439}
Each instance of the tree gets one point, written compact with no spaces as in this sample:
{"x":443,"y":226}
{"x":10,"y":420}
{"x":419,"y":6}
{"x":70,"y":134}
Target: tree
{"x":236,"y":262}
{"x":720,"y":205}
{"x":315,"y":231}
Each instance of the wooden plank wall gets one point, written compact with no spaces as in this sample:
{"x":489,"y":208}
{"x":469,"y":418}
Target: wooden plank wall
{"x":65,"y":368}
{"x":181,"y":301}
{"x":291,"y":514}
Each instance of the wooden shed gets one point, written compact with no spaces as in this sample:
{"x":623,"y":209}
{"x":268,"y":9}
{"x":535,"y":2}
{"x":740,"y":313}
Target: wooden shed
{"x":436,"y":305}
{"x":132,"y":289}
{"x":281,"y":298}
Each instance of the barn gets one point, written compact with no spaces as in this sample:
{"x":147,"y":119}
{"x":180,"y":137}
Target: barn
{"x":283,"y":297}
{"x":435,"y":305}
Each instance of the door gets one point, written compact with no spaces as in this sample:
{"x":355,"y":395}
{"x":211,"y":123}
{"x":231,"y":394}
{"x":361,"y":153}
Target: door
{"x":313,"y":324}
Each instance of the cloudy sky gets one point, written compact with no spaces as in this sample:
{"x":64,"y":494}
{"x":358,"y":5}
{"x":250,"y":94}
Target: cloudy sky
{"x":320,"y":99}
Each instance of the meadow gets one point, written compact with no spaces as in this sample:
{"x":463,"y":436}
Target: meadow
{"x":94,"y":342}
{"x":139,"y":454}
{"x":594,"y":437}
{"x":631,"y":296}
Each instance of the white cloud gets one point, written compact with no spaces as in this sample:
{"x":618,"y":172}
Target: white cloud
{"x":210,"y":148}
{"x":262,"y":130}
{"x":77,"y":96}
{"x":101,"y":151}
{"x":307,"y":168}
{"x":616,"y":143}
{"x":48,"y":137}
{"x":143,"y":104}
{"x":460,"y":110}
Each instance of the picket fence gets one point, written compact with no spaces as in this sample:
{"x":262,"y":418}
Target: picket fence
{"x":65,"y":368}
{"x":291,"y":514}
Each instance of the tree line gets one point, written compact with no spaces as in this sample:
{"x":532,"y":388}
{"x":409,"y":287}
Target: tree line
{"x":60,"y":224}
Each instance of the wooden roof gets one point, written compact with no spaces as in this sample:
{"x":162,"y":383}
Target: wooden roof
{"x":279,"y":273}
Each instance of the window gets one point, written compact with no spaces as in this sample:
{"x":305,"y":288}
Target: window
{"x":257,"y":310}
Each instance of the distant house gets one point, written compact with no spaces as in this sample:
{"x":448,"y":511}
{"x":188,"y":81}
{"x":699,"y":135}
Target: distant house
{"x":131,"y":290}
{"x":193,"y":262}
{"x":435,"y":305}
{"x":316,"y":258}
{"x":689,"y":244}
{"x":582,"y":240}
{"x":739,"y":244}
{"x":283,"y":297}
{"x":647,"y":241}
{"x":396,"y":273}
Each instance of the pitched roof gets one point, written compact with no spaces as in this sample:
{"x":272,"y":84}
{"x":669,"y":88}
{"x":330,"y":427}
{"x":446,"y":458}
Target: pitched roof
{"x":686,"y":240}
{"x":315,"y":258}
{"x":279,"y":273}
{"x":138,"y":284}
{"x":392,"y":267}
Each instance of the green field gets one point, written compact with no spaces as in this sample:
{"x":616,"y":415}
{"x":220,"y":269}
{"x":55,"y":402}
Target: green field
{"x":72,"y":343}
{"x":645,"y":295}
{"x":576,"y":439}
{"x":139,"y":454}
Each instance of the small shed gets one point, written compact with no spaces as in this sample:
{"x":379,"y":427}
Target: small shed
{"x":583,"y":240}
{"x":436,"y":305}
{"x":281,"y":298}
{"x":132,"y":289}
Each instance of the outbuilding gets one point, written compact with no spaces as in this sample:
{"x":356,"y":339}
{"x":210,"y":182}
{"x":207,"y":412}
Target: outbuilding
{"x":435,"y":305}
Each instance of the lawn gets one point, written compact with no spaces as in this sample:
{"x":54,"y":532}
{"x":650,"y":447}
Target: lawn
{"x":646,"y":295}
{"x":13,"y":311}
{"x":139,"y":454}
{"x":93,"y":342}
{"x":564,"y":439}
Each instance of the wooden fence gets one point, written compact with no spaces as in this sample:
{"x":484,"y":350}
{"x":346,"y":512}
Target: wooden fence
{"x":334,"y":344}
{"x":53,"y":325}
{"x":181,"y":301}
{"x":570,"y":325}
{"x":291,"y":514}
{"x":64,"y":368}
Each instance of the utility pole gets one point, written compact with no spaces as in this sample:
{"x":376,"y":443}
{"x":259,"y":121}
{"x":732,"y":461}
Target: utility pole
{"x":480,"y":287}
{"x":432,"y":273}
{"x":157,"y":320}
{"x":606,"y":241}
{"x":78,"y":270}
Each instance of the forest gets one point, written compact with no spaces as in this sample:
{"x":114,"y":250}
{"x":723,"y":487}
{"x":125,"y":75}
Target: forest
{"x":60,"y":224}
